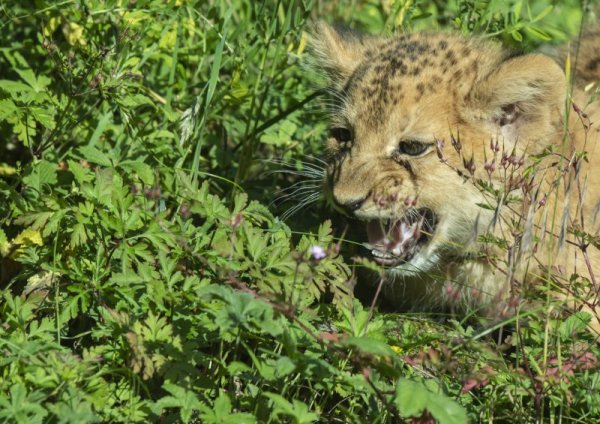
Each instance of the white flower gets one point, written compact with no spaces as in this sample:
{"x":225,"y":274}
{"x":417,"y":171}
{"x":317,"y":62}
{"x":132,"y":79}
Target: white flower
{"x":317,"y":252}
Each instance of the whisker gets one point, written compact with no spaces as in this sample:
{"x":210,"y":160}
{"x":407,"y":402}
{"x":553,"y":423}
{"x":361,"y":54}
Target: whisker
{"x":311,"y":199}
{"x":295,"y":193}
{"x":302,"y":183}
{"x":307,"y":165}
{"x":312,"y":175}
{"x":283,"y":162}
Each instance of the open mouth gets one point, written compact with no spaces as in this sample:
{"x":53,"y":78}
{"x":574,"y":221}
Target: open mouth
{"x":396,"y":241}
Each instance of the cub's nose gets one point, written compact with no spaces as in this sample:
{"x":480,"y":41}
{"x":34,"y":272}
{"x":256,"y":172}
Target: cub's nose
{"x":349,"y":205}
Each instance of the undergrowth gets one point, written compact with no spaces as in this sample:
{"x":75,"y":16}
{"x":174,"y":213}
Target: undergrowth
{"x":146,"y":274}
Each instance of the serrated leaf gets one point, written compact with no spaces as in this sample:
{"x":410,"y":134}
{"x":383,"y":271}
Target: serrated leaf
{"x":43,"y":116}
{"x":181,"y":398}
{"x":82,"y":175}
{"x":7,"y":108}
{"x":91,"y":154}
{"x":104,"y":186}
{"x":135,"y":100}
{"x":574,"y":324}
{"x":23,"y":128}
{"x":296,"y":409}
{"x":144,"y":171}
{"x":413,"y":398}
{"x":42,"y":172}
{"x":79,"y":235}
{"x":14,"y":86}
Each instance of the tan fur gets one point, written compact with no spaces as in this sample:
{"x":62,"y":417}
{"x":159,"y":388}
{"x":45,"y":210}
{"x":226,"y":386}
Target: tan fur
{"x":433,"y":87}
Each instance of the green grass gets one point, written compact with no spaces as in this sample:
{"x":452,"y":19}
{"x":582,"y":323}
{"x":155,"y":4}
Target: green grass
{"x":145,"y":275}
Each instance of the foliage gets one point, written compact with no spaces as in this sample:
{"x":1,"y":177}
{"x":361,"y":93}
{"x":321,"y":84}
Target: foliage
{"x":140,"y":283}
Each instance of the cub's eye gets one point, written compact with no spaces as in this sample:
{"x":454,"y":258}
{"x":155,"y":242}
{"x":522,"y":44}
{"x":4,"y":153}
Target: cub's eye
{"x":412,"y":147}
{"x":342,"y":135}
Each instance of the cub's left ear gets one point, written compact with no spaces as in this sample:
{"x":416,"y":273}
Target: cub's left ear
{"x":522,"y":98}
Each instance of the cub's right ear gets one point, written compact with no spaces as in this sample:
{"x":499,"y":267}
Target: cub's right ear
{"x":337,"y":50}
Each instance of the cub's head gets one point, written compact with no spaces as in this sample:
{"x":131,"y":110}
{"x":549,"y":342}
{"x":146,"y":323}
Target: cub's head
{"x":415,"y":117}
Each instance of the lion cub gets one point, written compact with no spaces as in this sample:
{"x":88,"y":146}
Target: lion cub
{"x":472,"y":169}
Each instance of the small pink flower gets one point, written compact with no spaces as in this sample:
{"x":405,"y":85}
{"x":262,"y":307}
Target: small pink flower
{"x":317,"y":252}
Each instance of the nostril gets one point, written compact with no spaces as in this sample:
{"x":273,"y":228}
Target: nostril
{"x":351,"y":205}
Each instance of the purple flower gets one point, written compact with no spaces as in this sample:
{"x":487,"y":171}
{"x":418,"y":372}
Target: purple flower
{"x":317,"y":252}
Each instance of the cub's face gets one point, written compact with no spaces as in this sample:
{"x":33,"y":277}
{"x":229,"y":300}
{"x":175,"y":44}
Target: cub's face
{"x":417,"y":117}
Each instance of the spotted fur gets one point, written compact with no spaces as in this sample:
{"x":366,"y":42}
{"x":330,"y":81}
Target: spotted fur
{"x":471,"y":96}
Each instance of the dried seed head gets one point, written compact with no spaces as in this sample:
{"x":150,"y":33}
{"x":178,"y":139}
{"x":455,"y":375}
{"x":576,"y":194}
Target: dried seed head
{"x":96,"y":80}
{"x":494,"y":146}
{"x":439,"y":149}
{"x":579,"y":111}
{"x":515,"y":182}
{"x":456,"y":143}
{"x":185,"y":211}
{"x":469,"y":165}
{"x":237,"y":220}
{"x":514,"y":302}
{"x":490,"y":166}
{"x":48,"y":45}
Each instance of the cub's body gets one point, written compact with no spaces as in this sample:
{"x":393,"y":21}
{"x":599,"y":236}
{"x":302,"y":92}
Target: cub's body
{"x":467,"y":165}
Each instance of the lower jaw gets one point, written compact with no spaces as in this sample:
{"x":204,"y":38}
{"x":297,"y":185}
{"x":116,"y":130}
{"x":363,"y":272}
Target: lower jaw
{"x":391,"y":262}
{"x":395,"y":261}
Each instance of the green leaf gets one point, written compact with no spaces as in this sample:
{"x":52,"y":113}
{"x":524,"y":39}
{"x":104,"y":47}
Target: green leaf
{"x":222,"y":413}
{"x":43,"y":116}
{"x":413,"y":398}
{"x":82,"y":175}
{"x":41,"y":173}
{"x":181,"y":398}
{"x":135,"y":100}
{"x":538,"y":33}
{"x":299,"y":411}
{"x":143,"y":170}
{"x":574,"y":324}
{"x":13,"y":86}
{"x":7,"y":108}
{"x":79,"y":235}
{"x":4,"y":244}
{"x":91,"y":154}
{"x":369,"y":345}
{"x":23,"y":126}
{"x":22,"y":407}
